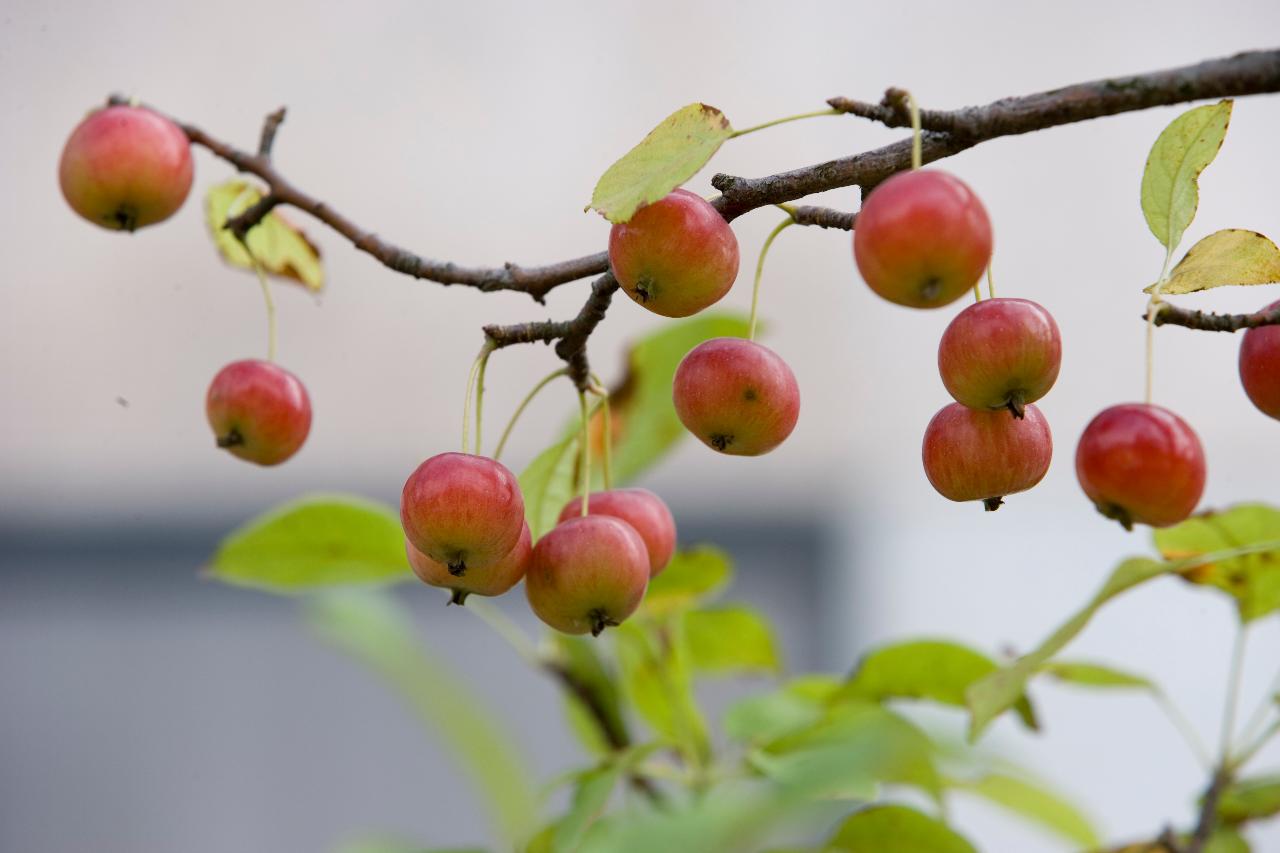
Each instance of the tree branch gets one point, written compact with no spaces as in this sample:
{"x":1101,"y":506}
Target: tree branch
{"x":1208,"y":818}
{"x":1169,"y":315}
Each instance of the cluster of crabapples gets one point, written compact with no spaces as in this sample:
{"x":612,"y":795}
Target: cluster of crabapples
{"x":922,"y":239}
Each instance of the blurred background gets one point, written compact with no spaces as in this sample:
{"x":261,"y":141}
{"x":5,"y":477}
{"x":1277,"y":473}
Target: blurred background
{"x":143,"y":709}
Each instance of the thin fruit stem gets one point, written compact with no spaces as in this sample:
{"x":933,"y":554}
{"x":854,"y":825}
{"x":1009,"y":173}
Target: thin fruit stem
{"x":524,"y":404}
{"x":1184,"y":727}
{"x":778,"y":121}
{"x":1153,"y":305}
{"x":991,"y":283}
{"x":788,"y":209}
{"x":755,"y":289}
{"x":1247,"y":753}
{"x":466,"y":402}
{"x":977,"y":291}
{"x":917,"y":143}
{"x":1233,"y":694}
{"x":1259,"y":716}
{"x":267,"y":298}
{"x":606,"y":421}
{"x":586,"y":450}
{"x":482,"y":362}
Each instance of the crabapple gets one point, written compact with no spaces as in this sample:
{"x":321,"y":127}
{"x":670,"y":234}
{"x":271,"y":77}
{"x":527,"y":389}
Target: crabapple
{"x":493,"y":579}
{"x":972,"y":455}
{"x":922,"y":238}
{"x":462,"y":510}
{"x":737,"y":396}
{"x":1260,"y":366}
{"x":125,"y":167}
{"x":1141,"y":464}
{"x":588,"y":573}
{"x":1000,"y":353}
{"x":644,"y":511}
{"x":259,"y":411}
{"x":675,"y":256}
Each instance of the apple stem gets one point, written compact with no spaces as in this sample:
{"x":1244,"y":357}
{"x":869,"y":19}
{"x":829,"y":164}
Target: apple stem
{"x":755,"y":288}
{"x":477,"y":369}
{"x":266,"y":297}
{"x":599,"y":621}
{"x":606,"y":422}
{"x":992,"y":504}
{"x":483,"y":360}
{"x":524,"y":404}
{"x":777,"y":121}
{"x":991,"y":283}
{"x":1015,"y":405}
{"x":459,"y":597}
{"x":917,"y":145}
{"x":231,"y":439}
{"x":1153,"y":308}
{"x":586,"y":450}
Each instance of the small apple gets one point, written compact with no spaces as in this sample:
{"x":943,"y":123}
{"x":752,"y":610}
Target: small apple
{"x":675,"y":256}
{"x":1000,"y":353}
{"x":972,"y":455}
{"x":259,"y":411}
{"x":736,"y":396}
{"x":126,"y":167}
{"x":1141,"y":464}
{"x":493,"y":579}
{"x":1260,"y":366}
{"x":922,"y":239}
{"x":644,"y":511}
{"x":588,"y":573}
{"x":462,"y":510}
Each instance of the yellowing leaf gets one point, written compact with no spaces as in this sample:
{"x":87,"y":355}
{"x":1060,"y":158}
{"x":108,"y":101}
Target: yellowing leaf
{"x":896,"y":829}
{"x":1252,"y":579}
{"x":1232,"y":256}
{"x":282,"y":248}
{"x":1183,"y":150}
{"x":671,"y":154}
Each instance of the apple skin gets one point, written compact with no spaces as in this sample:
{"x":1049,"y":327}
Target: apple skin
{"x":259,"y":411}
{"x":675,"y":256}
{"x":493,"y":579}
{"x":1260,"y":366}
{"x":462,"y":510}
{"x":1141,"y":464}
{"x":736,"y":396}
{"x":644,"y":511}
{"x":922,"y":239}
{"x":126,"y":167}
{"x":1000,"y":354}
{"x":972,"y":455}
{"x":588,"y":573}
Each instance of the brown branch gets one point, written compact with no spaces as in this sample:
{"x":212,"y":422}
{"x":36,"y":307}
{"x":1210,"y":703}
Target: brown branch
{"x":1169,"y":315}
{"x":1208,"y":818}
{"x":823,"y":217}
{"x":269,"y":128}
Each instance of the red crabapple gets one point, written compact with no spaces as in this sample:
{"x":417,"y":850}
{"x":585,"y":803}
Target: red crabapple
{"x":259,"y":411}
{"x":972,"y":455}
{"x":644,"y":511}
{"x":1000,"y":353}
{"x":1260,"y":366}
{"x":493,"y":579}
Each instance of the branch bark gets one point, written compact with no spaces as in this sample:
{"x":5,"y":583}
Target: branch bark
{"x":1205,"y":321}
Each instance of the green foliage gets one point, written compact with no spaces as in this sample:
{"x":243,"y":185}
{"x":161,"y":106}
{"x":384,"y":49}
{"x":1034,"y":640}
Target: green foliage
{"x":896,"y":829}
{"x":935,"y":670}
{"x":1170,"y":191}
{"x":1095,"y":675}
{"x":657,"y":679}
{"x":1226,"y":840}
{"x":280,"y":247}
{"x":315,"y":543}
{"x":1253,"y":580}
{"x":591,"y":795}
{"x":1035,"y":803}
{"x":1230,"y":257}
{"x":731,"y":641}
{"x":548,"y":484}
{"x":374,"y":631}
{"x":581,"y":661}
{"x":1250,"y":799}
{"x":691,"y":576}
{"x":671,"y":154}
{"x":767,"y":716}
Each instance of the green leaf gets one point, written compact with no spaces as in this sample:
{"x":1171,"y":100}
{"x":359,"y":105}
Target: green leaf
{"x":993,"y":694}
{"x":1226,"y":840}
{"x":1095,"y":675}
{"x":314,"y":543}
{"x":936,"y":670}
{"x":854,"y":748}
{"x":1230,"y":257}
{"x":1252,"y":579}
{"x":768,"y":716}
{"x":731,"y":640}
{"x":690,"y":577}
{"x":591,"y":796}
{"x":644,"y":423}
{"x":656,"y":677}
{"x":1250,"y":799}
{"x":1183,"y":150}
{"x":896,"y":829}
{"x":376,"y":632}
{"x":281,"y":248}
{"x":1035,"y":803}
{"x":671,"y":154}
{"x":547,"y":485}
{"x":581,"y":659}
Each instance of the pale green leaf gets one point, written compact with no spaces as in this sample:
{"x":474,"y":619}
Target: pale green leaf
{"x":1230,"y":257}
{"x":1250,"y":799}
{"x":280,"y":247}
{"x":936,"y":670}
{"x":671,"y":154}
{"x":1085,"y":674}
{"x":731,"y":640}
{"x":896,"y":829}
{"x":657,"y":679}
{"x":1170,"y":192}
{"x":768,"y":716}
{"x":547,"y":484}
{"x":1226,"y":840}
{"x":690,"y":577}
{"x":591,"y":796}
{"x":1035,"y":803}
{"x":314,"y":543}
{"x":1253,"y":580}
{"x":379,"y":634}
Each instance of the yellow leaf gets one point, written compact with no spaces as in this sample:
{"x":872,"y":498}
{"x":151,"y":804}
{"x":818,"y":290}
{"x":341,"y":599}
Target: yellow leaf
{"x":281,"y":247}
{"x":1233,"y":256}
